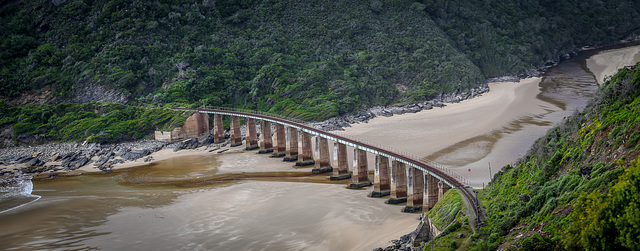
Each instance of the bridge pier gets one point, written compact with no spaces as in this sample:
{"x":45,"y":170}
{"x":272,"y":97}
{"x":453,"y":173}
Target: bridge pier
{"x":360,"y":176}
{"x":306,"y":158}
{"x":323,"y":162}
{"x":398,"y":183}
{"x":280,"y":150}
{"x":340,"y":158}
{"x":431,"y":192}
{"x":252,"y":136}
{"x":381,"y":178}
{"x":292,"y":151}
{"x":236,"y":136}
{"x":218,"y":129}
{"x":416,"y":190}
{"x":442,"y":188}
{"x":266,"y":144}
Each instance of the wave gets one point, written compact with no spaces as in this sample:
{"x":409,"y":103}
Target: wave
{"x":15,"y":192}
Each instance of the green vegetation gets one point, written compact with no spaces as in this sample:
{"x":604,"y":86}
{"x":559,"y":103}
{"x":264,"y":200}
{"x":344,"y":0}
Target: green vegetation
{"x":305,"y":59}
{"x":507,"y":37}
{"x":449,"y":215}
{"x":576,"y":187}
{"x":93,"y":122}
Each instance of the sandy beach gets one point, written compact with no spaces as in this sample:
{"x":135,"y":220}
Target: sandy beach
{"x":606,"y":63}
{"x":492,"y":130}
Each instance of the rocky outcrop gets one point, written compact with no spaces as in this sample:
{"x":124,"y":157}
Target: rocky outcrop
{"x":340,"y":122}
{"x":97,"y":93}
{"x":71,"y":156}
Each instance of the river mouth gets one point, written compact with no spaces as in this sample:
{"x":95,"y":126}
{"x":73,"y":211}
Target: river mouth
{"x":187,"y":202}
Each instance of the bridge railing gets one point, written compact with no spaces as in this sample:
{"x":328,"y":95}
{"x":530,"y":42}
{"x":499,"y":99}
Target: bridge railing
{"x":410,"y":155}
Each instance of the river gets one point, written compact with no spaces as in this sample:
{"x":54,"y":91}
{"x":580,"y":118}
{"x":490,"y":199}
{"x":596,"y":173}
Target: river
{"x":245,"y":201}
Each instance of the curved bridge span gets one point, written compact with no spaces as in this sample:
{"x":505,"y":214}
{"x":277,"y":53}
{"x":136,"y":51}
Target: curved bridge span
{"x":409,"y":179}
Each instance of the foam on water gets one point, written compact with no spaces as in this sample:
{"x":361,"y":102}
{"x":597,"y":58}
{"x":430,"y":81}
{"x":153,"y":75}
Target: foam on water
{"x":16,"y":192}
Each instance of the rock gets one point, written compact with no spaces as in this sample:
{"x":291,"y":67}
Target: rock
{"x":148,"y":159}
{"x":34,"y":162}
{"x":55,"y":157}
{"x":459,"y":235}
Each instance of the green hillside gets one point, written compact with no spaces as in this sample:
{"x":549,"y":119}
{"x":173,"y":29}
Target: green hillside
{"x":508,"y":37}
{"x":309,"y":59}
{"x":577,"y":187}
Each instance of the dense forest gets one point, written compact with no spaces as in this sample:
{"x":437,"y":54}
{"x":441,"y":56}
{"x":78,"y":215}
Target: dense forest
{"x":306,"y":59}
{"x":577,"y":188}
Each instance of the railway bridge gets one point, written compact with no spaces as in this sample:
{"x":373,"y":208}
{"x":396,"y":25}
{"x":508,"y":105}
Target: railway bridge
{"x":397,"y":174}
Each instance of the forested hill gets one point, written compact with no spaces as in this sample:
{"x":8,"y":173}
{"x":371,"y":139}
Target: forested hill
{"x":577,"y":188}
{"x":309,"y":59}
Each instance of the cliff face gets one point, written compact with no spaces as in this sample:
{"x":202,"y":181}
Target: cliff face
{"x":566,"y":192}
{"x":310,"y":59}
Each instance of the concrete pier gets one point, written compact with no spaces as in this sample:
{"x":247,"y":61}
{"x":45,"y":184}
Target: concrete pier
{"x":340,"y":160}
{"x":218,"y":129}
{"x":398,"y":183}
{"x":266,"y":143}
{"x":442,"y":188}
{"x":431,"y":193}
{"x":280,"y":149}
{"x":323,"y":162}
{"x":252,"y":136}
{"x":292,"y":150}
{"x":360,"y":176}
{"x":236,"y":136}
{"x":306,"y":157}
{"x":416,"y":191}
{"x":381,"y":179}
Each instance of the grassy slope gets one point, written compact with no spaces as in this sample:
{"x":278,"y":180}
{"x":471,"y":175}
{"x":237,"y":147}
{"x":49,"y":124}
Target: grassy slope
{"x":532,"y":205}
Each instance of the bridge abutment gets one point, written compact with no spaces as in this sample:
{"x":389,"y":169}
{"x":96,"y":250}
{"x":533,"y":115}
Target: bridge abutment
{"x":252,"y":136}
{"x":398,"y":183}
{"x":292,"y":151}
{"x":340,"y":158}
{"x":306,"y":157}
{"x":236,"y":136}
{"x":218,"y":129}
{"x":266,"y":143}
{"x":381,"y":178}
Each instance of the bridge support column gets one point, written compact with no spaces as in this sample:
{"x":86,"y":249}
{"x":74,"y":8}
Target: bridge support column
{"x":323,"y":162}
{"x":442,"y":188}
{"x":416,"y":188}
{"x":381,"y":177}
{"x":398,"y":183}
{"x":431,"y":192}
{"x":306,"y":158}
{"x":218,"y":129}
{"x":292,"y":151}
{"x":236,"y":136}
{"x":266,"y":145}
{"x":360,"y":177}
{"x":340,"y":158}
{"x":280,"y":149}
{"x":252,"y":136}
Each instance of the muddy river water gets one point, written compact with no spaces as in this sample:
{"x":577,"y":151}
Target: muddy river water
{"x":228,"y":202}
